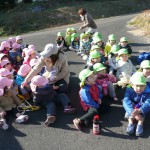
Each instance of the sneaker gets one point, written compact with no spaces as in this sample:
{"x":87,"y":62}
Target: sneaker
{"x":139,"y":130}
{"x":50,"y":120}
{"x":76,"y":123}
{"x":3,"y":124}
{"x":69,"y":110}
{"x":126,"y":116}
{"x":22,"y":118}
{"x":130,"y":129}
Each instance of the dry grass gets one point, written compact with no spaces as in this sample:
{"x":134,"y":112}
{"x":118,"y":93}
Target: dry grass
{"x":62,"y":12}
{"x":141,"y":24}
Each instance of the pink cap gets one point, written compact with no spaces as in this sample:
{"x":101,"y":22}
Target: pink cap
{"x":18,"y":38}
{"x":31,"y":46}
{"x":4,"y":72}
{"x":24,"y":70}
{"x":29,"y":52}
{"x":2,"y":55}
{"x":38,"y":81}
{"x":33,"y":62}
{"x":25,"y":49}
{"x":16,"y":46}
{"x":5,"y":44}
{"x":3,"y":83}
{"x":4,"y":62}
{"x":11,"y":39}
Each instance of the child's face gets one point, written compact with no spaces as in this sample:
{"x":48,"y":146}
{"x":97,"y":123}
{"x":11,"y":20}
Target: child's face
{"x":7,"y":48}
{"x":138,"y":88}
{"x":112,"y":42}
{"x":96,"y":60}
{"x":8,"y":66}
{"x":102,"y":72}
{"x":33,"y":55}
{"x":19,"y":41}
{"x":76,"y":39}
{"x":99,"y":43}
{"x":91,"y":79}
{"x":85,"y":39}
{"x":69,"y":32}
{"x":146,"y":72}
{"x":124,"y":57}
{"x":123,"y":44}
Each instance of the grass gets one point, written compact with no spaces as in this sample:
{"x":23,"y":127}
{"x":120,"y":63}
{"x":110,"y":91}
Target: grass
{"x":141,"y":23}
{"x":21,"y":19}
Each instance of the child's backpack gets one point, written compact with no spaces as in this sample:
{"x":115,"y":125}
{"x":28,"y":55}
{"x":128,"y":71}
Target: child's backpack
{"x":143,"y":56}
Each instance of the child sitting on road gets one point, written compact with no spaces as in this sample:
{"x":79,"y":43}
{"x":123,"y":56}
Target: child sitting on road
{"x":5,"y":47}
{"x":61,"y":43}
{"x":11,"y":41}
{"x":125,"y":68}
{"x":109,"y":44}
{"x":112,"y":59}
{"x":145,"y":68}
{"x":44,"y":94}
{"x":15,"y":54}
{"x":9,"y":102}
{"x":75,"y":42}
{"x":7,"y":65}
{"x":85,"y":45}
{"x":125,"y":44}
{"x":95,"y":57}
{"x":19,"y":40}
{"x":29,"y":55}
{"x":105,"y":80}
{"x":68,"y":36}
{"x":21,"y":74}
{"x":91,"y":96}
{"x":98,"y":41}
{"x":136,"y":103}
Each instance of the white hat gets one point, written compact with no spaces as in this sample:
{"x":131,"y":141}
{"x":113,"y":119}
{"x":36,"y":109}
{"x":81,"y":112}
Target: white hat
{"x":50,"y":49}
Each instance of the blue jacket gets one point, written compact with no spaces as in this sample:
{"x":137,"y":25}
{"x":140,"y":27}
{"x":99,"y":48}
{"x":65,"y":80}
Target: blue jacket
{"x":19,"y":79}
{"x":131,"y":99}
{"x":86,"y":97}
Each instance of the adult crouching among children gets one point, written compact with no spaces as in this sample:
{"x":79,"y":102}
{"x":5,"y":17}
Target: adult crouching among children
{"x":56,"y":68}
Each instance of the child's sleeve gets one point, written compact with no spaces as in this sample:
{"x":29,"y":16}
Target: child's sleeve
{"x":111,"y":63}
{"x":146,"y":107}
{"x":127,"y":103}
{"x":100,"y":92}
{"x":87,"y":99}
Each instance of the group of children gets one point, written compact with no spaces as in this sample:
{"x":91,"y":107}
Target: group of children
{"x":107,"y":65}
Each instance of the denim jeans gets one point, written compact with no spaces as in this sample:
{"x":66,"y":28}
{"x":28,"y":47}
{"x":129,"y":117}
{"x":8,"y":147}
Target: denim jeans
{"x":61,"y":98}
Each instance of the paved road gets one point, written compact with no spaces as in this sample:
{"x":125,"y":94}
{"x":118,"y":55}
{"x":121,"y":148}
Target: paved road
{"x":63,"y":136}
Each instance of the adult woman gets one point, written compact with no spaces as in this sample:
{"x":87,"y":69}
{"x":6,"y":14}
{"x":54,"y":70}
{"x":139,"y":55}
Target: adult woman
{"x":56,"y":66}
{"x":88,"y":21}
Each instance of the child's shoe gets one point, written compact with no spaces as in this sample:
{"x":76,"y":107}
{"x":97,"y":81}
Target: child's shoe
{"x":50,"y":120}
{"x":3,"y":124}
{"x":139,"y":130}
{"x":69,"y":110}
{"x":130,"y":129}
{"x":126,"y":116}
{"x":22,"y":118}
{"x":76,"y":123}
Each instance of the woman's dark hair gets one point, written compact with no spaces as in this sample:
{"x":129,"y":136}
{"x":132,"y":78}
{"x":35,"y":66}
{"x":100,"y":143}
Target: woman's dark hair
{"x":55,"y":57}
{"x":81,"y":11}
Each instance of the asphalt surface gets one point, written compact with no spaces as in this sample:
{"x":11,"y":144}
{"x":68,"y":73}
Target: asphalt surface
{"x":63,"y":136}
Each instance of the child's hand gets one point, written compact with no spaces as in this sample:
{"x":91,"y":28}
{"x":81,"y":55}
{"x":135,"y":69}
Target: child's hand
{"x":138,"y":117}
{"x":99,"y":101}
{"x":2,"y":114}
{"x":23,"y":84}
{"x":55,"y":87}
{"x":136,"y":112}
